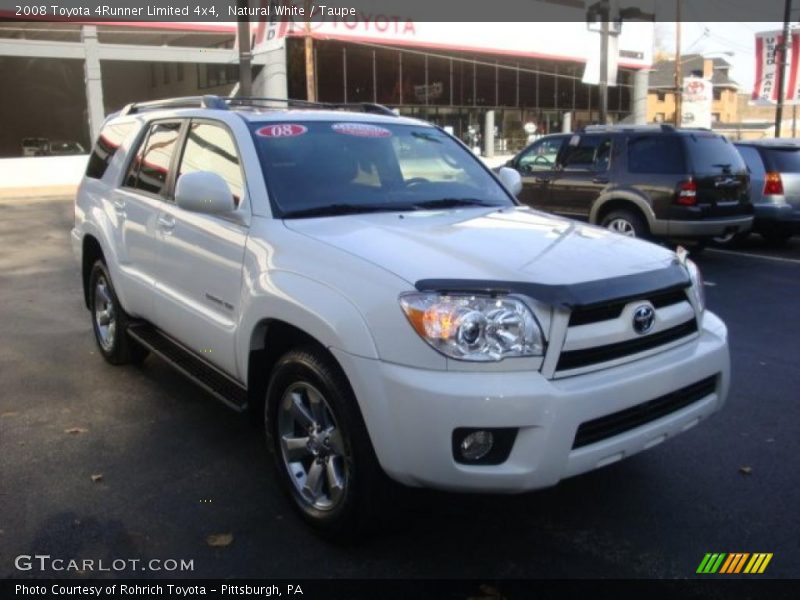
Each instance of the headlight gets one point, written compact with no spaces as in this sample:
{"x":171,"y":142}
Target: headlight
{"x":697,"y":290}
{"x":473,"y":327}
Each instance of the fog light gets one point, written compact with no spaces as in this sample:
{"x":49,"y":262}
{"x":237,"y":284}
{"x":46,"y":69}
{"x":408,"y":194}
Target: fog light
{"x":477,"y":444}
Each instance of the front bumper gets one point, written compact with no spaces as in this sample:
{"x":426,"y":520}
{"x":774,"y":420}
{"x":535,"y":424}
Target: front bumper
{"x":411,"y":414}
{"x":702,"y":228}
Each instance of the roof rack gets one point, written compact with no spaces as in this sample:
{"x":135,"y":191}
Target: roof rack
{"x":367,"y":107}
{"x":220,"y":103}
{"x":207,"y":101}
{"x":623,"y":127}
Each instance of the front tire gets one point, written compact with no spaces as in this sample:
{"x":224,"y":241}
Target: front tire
{"x":325,"y":461}
{"x":625,"y":222}
{"x":110,"y":321}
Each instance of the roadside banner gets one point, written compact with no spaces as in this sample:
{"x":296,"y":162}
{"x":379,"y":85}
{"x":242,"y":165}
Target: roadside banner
{"x":765,"y":88}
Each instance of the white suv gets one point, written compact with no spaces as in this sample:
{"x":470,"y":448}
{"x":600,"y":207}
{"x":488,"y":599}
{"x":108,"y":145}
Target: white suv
{"x":366,"y":284}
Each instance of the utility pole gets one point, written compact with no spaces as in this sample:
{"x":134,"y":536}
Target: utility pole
{"x":678,"y":79}
{"x":311,"y":78}
{"x":245,"y":55}
{"x":783,"y":47}
{"x":604,"y":32}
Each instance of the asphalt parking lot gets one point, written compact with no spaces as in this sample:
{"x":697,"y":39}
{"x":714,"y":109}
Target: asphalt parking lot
{"x":176,"y":466}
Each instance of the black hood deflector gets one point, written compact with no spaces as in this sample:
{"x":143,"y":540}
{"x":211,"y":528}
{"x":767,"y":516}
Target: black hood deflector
{"x":589,"y":293}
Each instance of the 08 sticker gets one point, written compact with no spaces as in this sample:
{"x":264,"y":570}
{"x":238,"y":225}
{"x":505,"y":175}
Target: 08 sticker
{"x":282,"y":130}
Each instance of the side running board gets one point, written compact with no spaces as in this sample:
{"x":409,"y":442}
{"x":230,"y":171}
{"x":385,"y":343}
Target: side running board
{"x":208,"y":377}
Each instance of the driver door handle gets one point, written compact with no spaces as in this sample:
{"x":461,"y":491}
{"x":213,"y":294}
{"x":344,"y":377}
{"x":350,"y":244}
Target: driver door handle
{"x":541,"y":179}
{"x":600,"y":179}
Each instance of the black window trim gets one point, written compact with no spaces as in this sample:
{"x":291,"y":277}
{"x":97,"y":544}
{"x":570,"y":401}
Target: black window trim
{"x":169,"y":185}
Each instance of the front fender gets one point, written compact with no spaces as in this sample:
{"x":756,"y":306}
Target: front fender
{"x":325,"y":314}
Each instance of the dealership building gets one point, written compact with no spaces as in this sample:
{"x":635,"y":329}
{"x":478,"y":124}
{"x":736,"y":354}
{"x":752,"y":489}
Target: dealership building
{"x":61,"y":79}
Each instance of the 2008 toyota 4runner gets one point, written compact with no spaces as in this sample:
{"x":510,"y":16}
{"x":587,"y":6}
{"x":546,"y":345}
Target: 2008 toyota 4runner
{"x":377,"y":294}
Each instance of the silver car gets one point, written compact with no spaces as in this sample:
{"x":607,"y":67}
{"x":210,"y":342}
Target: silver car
{"x":774,"y":166}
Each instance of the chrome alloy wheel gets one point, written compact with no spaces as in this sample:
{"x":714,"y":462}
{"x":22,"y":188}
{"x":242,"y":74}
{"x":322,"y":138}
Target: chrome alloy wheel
{"x":312,"y":448}
{"x":621,"y":226}
{"x":104,"y":316}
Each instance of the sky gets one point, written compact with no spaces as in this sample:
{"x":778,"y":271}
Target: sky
{"x":717,"y":39}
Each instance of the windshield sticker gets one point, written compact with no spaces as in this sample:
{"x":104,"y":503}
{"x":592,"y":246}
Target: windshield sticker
{"x":281,"y":130}
{"x":361,"y":130}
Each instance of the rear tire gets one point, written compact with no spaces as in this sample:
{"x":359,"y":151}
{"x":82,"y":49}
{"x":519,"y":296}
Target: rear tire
{"x":626,"y":222}
{"x":776,"y":237}
{"x":110,"y":321}
{"x":321,"y":449}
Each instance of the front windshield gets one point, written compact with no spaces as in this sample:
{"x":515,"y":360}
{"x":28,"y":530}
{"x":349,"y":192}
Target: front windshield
{"x":328,"y":167}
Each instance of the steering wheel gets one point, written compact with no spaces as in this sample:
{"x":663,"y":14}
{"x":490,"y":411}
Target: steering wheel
{"x":416,"y":181}
{"x":542,"y":160}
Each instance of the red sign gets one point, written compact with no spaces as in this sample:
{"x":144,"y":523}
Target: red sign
{"x":280,"y":130}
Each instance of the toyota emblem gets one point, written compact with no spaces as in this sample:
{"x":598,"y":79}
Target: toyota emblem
{"x":644,"y":317}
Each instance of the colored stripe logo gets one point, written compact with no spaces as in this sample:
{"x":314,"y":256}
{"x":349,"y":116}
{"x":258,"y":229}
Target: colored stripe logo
{"x":734,"y":563}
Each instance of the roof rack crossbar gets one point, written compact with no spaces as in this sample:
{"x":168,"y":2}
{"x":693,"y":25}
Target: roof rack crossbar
{"x":207,"y":101}
{"x":666,"y":127}
{"x":368,"y":107}
{"x":220,"y":103}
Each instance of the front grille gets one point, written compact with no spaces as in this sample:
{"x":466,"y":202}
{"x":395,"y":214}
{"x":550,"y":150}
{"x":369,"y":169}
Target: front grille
{"x":574,"y":359}
{"x":612,"y":310}
{"x":636,"y":416}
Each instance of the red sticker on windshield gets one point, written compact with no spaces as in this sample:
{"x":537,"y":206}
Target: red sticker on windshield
{"x":361,"y":130}
{"x":282,"y":130}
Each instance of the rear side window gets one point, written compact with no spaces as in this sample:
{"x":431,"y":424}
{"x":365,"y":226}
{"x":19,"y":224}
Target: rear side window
{"x":210,"y":147}
{"x":784,"y":160}
{"x":149,"y":169}
{"x":656,"y":154}
{"x":591,"y":153}
{"x":111,"y":138}
{"x":711,"y":153}
{"x":752,"y":159}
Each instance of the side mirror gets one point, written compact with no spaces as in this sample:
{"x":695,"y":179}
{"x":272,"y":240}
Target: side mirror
{"x":511,"y":179}
{"x":204,"y":192}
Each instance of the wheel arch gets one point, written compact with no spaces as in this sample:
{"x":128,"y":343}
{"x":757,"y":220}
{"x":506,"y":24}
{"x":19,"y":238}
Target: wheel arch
{"x":91,"y":252}
{"x":269,"y":340}
{"x":622,"y":201}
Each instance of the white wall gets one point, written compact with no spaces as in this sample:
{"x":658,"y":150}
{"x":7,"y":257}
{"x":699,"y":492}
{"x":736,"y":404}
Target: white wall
{"x":41,"y":172}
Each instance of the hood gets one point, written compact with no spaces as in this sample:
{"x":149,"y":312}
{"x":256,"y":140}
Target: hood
{"x":512,"y":244}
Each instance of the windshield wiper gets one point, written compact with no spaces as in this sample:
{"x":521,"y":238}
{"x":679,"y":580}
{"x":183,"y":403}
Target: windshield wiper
{"x":344,"y":209}
{"x":426,"y":136}
{"x":453,"y":202}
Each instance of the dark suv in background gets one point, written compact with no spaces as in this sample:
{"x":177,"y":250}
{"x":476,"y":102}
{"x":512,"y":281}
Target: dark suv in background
{"x":774,"y":166}
{"x":643,"y":181}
